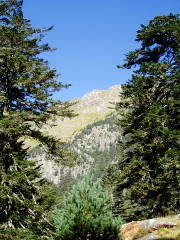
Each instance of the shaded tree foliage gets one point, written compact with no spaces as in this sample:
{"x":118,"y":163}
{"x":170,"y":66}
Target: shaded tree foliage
{"x":150,"y":166}
{"x":27,"y":85}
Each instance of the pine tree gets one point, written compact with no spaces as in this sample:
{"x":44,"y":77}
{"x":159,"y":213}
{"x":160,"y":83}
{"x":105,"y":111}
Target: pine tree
{"x":27,"y":85}
{"x":86,"y":214}
{"x":150,"y":166}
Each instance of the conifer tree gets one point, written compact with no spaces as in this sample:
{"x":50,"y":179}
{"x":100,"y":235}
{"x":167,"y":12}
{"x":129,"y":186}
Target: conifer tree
{"x":27,"y":84}
{"x":86,"y":214}
{"x":150,"y":166}
{"x":110,"y":179}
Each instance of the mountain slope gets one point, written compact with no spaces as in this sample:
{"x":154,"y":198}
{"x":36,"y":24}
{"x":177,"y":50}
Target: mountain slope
{"x":92,"y":107}
{"x":92,"y":136}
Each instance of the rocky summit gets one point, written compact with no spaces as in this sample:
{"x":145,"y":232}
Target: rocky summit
{"x":92,"y":107}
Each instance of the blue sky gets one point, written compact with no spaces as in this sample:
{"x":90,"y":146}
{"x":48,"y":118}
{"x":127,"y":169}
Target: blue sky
{"x":92,"y":37}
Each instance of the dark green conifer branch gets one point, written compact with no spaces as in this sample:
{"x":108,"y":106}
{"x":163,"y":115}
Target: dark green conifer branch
{"x":149,"y":109}
{"x":27,"y":84}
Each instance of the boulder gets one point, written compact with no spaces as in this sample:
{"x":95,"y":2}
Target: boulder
{"x":152,"y":229}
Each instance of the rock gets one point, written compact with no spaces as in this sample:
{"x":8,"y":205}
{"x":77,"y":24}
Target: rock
{"x":150,"y":236}
{"x":177,"y":217}
{"x":152,"y":229}
{"x":130,"y":230}
{"x":156,"y":224}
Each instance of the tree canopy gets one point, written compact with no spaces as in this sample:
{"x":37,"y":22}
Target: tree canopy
{"x":150,"y":117}
{"x":27,"y":84}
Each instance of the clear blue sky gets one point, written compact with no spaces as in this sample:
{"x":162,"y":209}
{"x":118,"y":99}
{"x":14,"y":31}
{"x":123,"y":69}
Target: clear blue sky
{"x":92,"y":37}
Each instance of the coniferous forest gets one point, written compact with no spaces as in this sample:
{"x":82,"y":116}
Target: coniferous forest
{"x":137,"y":178}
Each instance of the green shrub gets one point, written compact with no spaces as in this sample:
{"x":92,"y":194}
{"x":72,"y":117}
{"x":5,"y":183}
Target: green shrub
{"x":86,"y":214}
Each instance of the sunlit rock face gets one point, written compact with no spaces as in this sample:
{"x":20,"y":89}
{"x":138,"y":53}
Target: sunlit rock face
{"x":99,"y":101}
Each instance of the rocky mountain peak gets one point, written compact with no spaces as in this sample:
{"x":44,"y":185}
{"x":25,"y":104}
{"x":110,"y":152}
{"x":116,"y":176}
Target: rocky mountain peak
{"x":92,"y":107}
{"x":98,"y":101}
